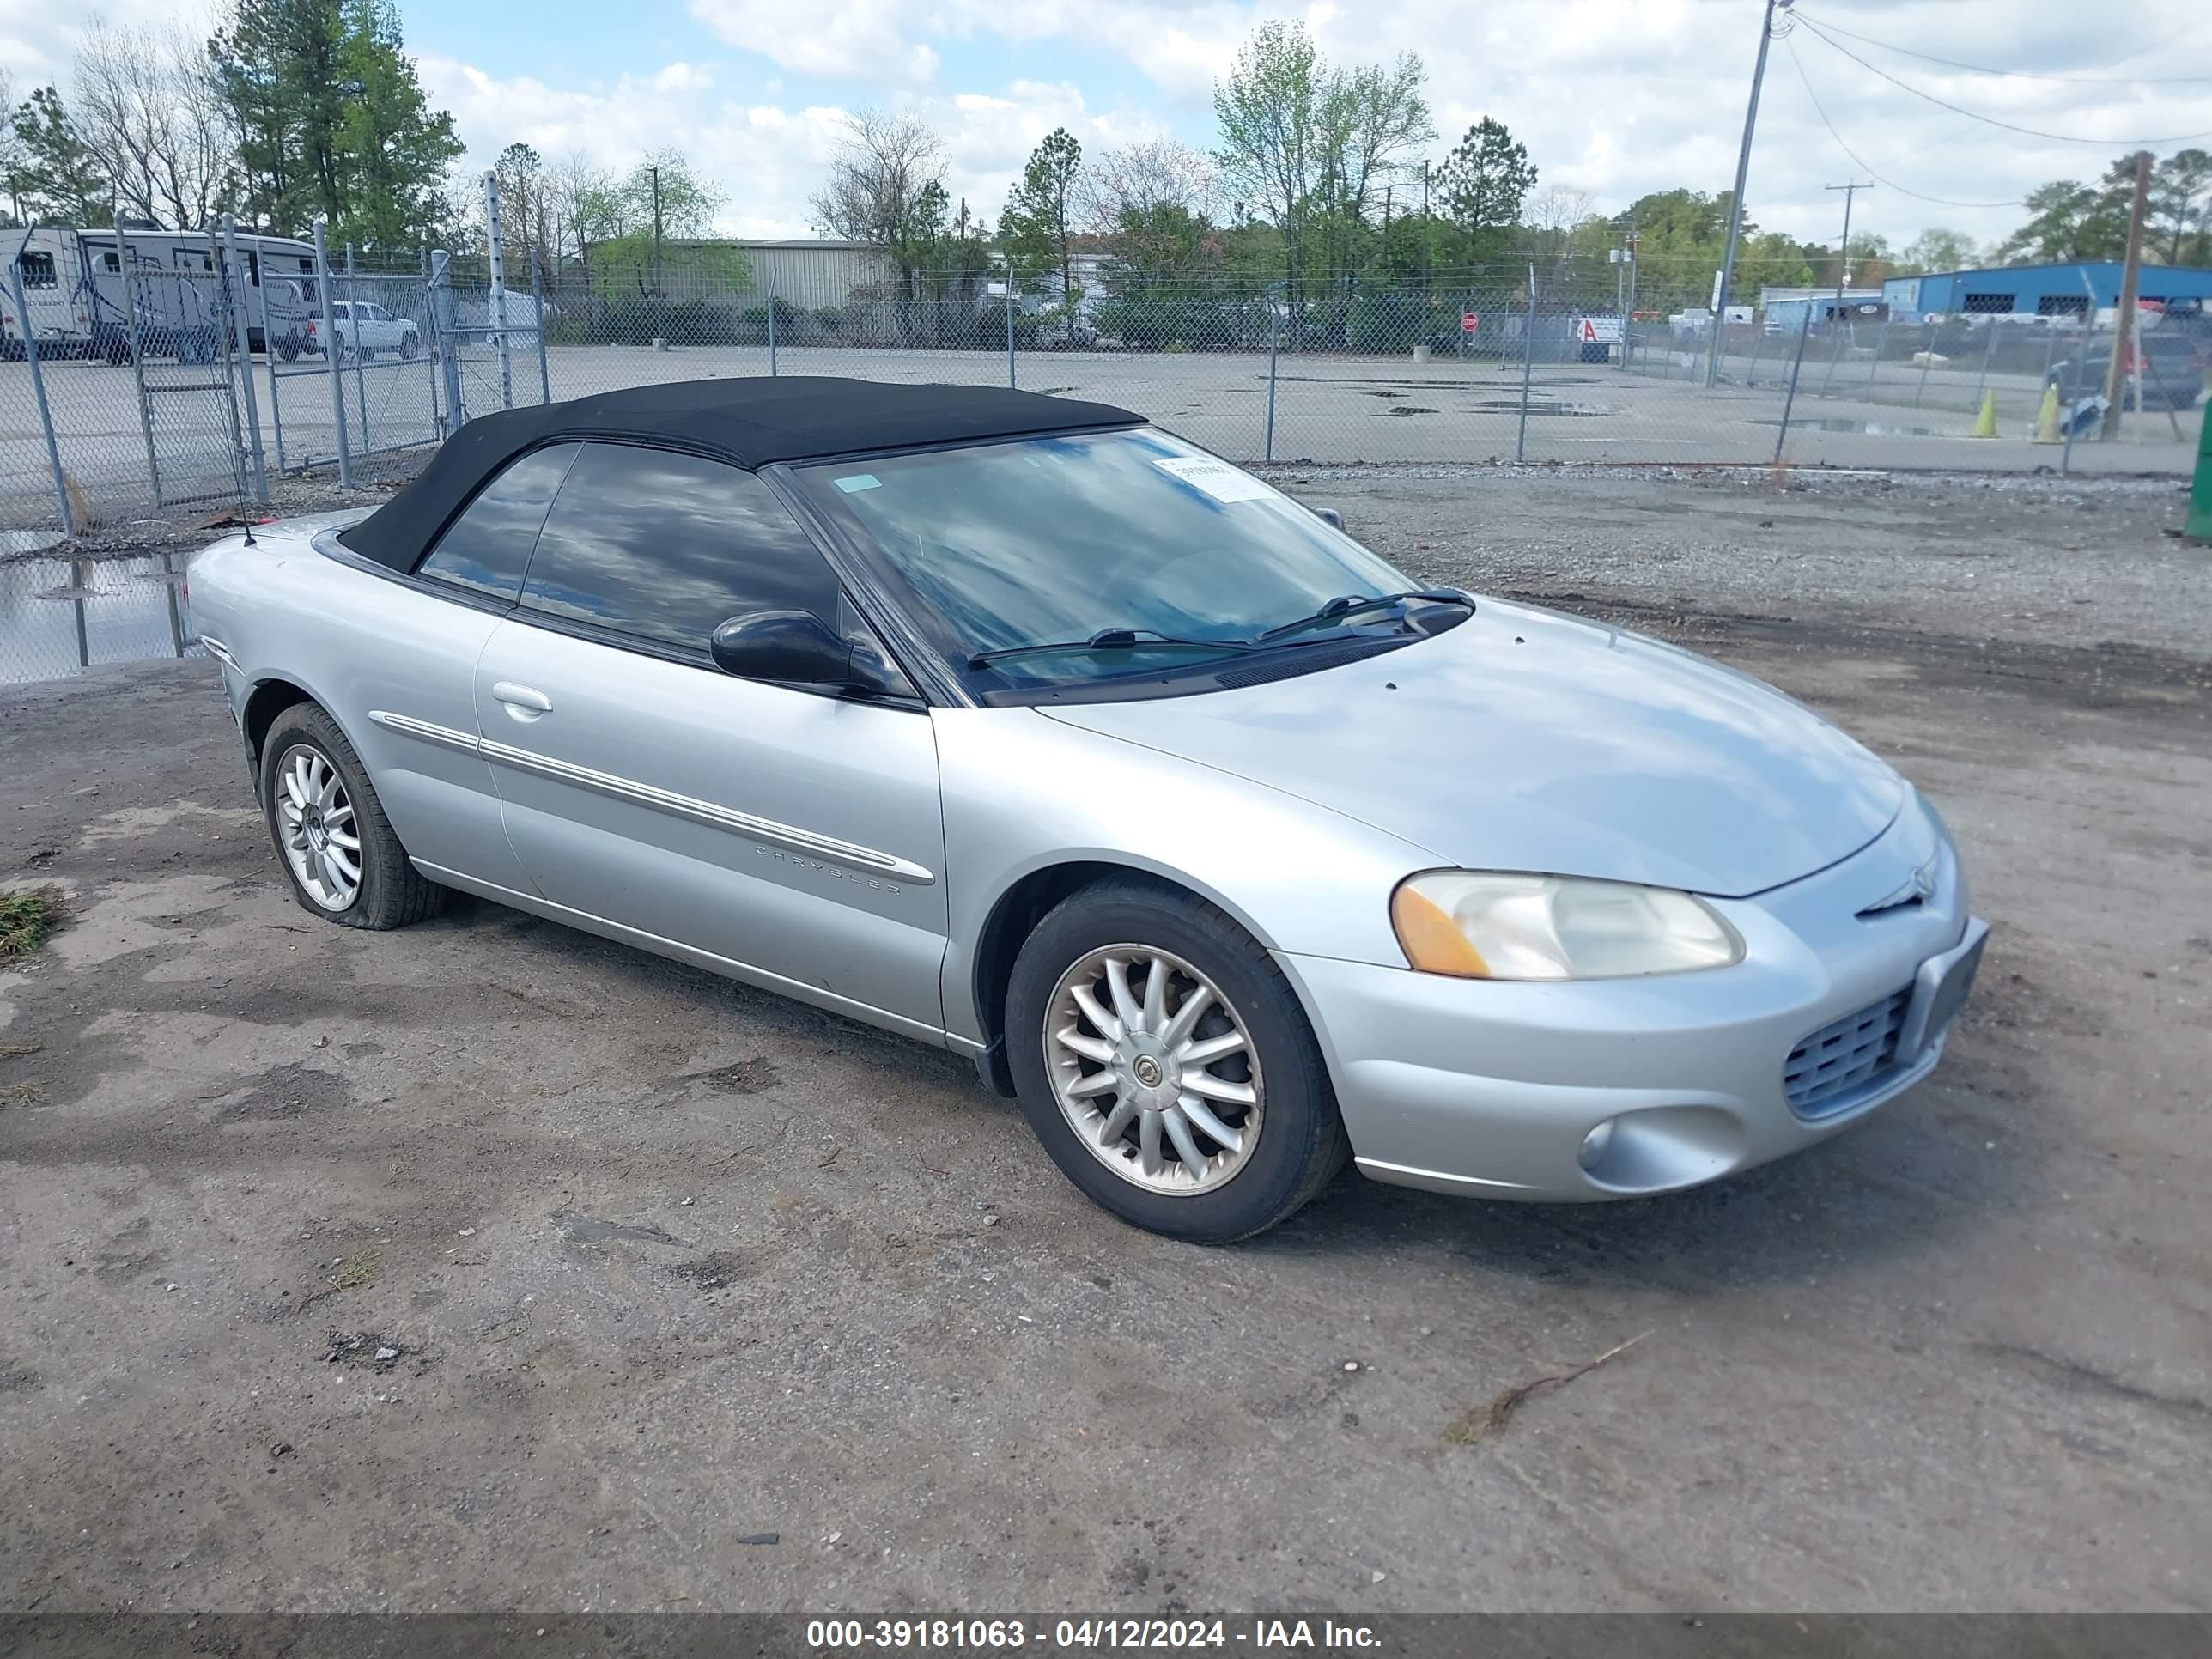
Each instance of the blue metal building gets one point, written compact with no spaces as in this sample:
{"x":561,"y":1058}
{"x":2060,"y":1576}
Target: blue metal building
{"x":2041,"y":290}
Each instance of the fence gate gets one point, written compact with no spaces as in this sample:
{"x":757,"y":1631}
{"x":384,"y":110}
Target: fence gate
{"x":180,"y":339}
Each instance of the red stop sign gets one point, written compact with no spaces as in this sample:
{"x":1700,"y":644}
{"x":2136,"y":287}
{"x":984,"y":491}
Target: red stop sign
{"x":1469,"y":322}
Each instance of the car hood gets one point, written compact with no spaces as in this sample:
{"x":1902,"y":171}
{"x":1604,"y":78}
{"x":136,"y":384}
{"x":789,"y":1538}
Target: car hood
{"x":1523,"y":739}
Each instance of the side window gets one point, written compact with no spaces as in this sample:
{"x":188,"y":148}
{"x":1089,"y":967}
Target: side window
{"x":38,"y":271}
{"x":666,"y":546}
{"x":487,"y":549}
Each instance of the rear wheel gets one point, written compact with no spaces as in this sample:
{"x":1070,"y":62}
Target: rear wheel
{"x":338,"y":849}
{"x":411,"y":347}
{"x":1167,"y":1065}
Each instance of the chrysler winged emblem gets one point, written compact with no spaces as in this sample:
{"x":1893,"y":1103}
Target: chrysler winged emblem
{"x":1918,"y":889}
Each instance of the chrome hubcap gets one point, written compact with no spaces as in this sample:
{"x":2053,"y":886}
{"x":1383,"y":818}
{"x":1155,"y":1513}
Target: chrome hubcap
{"x":322,"y":842}
{"x":1154,"y":1069}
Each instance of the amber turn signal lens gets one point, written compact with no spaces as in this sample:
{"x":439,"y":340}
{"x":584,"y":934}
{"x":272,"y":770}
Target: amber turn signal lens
{"x":1431,"y":940}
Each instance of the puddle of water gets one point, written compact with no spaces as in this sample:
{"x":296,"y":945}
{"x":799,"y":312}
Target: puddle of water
{"x":56,"y":619}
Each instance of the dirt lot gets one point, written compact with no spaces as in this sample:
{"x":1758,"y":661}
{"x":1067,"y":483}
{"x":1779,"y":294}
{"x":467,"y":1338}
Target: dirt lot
{"x":489,"y":1266}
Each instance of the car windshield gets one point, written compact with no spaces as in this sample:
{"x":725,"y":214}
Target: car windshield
{"x":1084,"y":540}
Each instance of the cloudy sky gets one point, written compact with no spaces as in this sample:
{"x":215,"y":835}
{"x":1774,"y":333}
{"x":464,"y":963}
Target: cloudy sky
{"x":1613,"y":97}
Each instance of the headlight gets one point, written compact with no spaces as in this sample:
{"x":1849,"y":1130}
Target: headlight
{"x":1478,"y":926}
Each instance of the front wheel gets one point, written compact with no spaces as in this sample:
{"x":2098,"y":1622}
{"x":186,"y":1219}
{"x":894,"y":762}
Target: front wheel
{"x":1167,"y":1065}
{"x":410,"y":348}
{"x":345,"y":863}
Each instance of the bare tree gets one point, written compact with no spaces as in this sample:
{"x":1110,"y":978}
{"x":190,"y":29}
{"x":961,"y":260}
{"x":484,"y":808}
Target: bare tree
{"x":151,"y":112}
{"x":1139,"y":178}
{"x":583,"y":201}
{"x":884,"y":168}
{"x":1551,"y":218}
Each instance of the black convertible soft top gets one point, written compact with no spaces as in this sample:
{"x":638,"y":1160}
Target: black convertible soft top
{"x":748,"y":421}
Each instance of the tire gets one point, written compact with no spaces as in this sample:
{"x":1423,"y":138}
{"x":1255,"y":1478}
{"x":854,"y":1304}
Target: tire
{"x":1299,"y":1144}
{"x":390,"y":892}
{"x":410,"y":348}
{"x":288,"y":350}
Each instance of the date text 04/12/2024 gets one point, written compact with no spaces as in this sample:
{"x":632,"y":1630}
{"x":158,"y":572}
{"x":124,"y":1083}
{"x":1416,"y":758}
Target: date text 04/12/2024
{"x":1083,"y":1635}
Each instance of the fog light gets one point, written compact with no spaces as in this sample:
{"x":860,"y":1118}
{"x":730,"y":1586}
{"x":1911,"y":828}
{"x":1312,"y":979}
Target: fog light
{"x":1594,"y":1144}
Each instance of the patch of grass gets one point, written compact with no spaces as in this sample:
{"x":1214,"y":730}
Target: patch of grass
{"x":363,"y":1270}
{"x":1478,"y":1423}
{"x":26,"y":918}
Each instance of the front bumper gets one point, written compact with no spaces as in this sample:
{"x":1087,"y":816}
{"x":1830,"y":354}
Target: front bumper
{"x":1491,"y":1088}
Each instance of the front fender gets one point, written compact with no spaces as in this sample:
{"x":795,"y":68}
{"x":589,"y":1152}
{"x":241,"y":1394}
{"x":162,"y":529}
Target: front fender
{"x":1023,"y":793}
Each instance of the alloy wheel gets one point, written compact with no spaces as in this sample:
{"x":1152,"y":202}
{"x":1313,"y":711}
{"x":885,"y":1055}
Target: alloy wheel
{"x":1154,"y":1069}
{"x":322,"y":839}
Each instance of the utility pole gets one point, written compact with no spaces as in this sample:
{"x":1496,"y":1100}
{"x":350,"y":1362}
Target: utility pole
{"x":1843,"y":253}
{"x":1426,"y":237}
{"x":2123,"y":319}
{"x":1742,"y":173}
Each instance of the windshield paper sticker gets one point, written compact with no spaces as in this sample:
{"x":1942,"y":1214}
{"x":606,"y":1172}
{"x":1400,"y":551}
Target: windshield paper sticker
{"x":1219,"y":479}
{"x":860,"y":481}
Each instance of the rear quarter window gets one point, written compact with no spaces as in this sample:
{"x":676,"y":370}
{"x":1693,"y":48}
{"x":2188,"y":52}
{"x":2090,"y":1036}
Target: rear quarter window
{"x":487,"y":550}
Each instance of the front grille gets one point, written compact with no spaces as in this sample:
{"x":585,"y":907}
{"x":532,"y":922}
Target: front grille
{"x":1831,"y":1067}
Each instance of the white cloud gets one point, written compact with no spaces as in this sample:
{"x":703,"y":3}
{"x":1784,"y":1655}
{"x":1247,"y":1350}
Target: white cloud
{"x":843,"y":40}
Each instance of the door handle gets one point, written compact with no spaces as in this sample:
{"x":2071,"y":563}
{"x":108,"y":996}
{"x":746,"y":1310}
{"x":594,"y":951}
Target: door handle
{"x":523,"y":702}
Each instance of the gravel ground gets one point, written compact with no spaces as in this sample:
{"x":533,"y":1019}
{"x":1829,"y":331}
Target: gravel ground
{"x":696,"y":1299}
{"x":2067,"y":561}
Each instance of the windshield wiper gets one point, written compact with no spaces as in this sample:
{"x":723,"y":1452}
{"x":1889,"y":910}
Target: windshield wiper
{"x":1350,"y":604}
{"x":1106,"y":639}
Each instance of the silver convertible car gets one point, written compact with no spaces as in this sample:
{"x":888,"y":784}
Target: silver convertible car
{"x":1020,"y":726}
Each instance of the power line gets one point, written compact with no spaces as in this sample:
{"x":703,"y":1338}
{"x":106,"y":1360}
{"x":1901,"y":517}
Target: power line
{"x":1991,"y":120}
{"x":1903,"y":190}
{"x":1819,"y":23}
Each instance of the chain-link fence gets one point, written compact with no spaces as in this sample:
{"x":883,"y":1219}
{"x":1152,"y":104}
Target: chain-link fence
{"x":201,"y":386}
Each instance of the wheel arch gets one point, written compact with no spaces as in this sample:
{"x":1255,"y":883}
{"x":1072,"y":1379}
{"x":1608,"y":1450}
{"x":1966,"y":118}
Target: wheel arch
{"x":270,"y":696}
{"x":1023,"y":901}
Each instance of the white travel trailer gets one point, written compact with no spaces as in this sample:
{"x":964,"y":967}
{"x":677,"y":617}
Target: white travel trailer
{"x":77,"y":297}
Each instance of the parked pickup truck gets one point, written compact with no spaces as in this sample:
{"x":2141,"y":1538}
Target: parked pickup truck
{"x":366,"y":328}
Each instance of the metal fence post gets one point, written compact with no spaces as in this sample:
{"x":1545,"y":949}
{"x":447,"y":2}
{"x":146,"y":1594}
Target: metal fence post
{"x":1010,"y":326}
{"x":176,"y":611}
{"x":360,"y":357}
{"x":137,"y":358}
{"x":38,"y":382}
{"x":276,"y":391}
{"x":1527,"y":367}
{"x":244,"y":324}
{"x":1835,"y":356}
{"x":442,"y":325}
{"x":333,"y":350}
{"x":1804,"y":327}
{"x":1988,"y":352}
{"x":76,"y":580}
{"x":498,"y":295}
{"x":771,"y":324}
{"x":1273,"y":332}
{"x":537,"y":298}
{"x":1927,"y":363}
{"x":225,"y":328}
{"x":1873,"y":365}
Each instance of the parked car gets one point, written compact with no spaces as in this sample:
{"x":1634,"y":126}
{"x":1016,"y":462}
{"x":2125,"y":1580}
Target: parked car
{"x":366,"y":328}
{"x":1023,"y":728}
{"x":2169,"y":367}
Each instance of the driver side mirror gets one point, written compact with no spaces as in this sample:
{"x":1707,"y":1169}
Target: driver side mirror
{"x":798,"y":647}
{"x":1329,"y":516}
